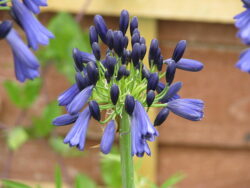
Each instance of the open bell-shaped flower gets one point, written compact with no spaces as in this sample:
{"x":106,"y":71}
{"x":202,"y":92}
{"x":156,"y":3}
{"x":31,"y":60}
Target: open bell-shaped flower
{"x":77,"y":134}
{"x":36,"y":33}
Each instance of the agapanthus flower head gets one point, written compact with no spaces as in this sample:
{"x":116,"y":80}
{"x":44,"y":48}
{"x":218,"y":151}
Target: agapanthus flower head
{"x":107,"y":87}
{"x":26,"y":64}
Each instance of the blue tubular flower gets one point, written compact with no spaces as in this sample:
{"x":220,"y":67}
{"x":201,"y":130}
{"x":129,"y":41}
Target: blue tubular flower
{"x":139,"y":144}
{"x":108,"y":137}
{"x":187,"y":64}
{"x":77,"y":134}
{"x":191,"y":109}
{"x":65,"y":119}
{"x":101,"y":27}
{"x":243,"y":23}
{"x":26,"y":63}
{"x":146,"y":128}
{"x":79,"y":100}
{"x":244,"y":62}
{"x":67,"y":96}
{"x":33,"y":5}
{"x":36,"y":33}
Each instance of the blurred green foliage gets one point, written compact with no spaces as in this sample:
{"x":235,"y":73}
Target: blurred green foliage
{"x":23,"y":95}
{"x":68,"y":36}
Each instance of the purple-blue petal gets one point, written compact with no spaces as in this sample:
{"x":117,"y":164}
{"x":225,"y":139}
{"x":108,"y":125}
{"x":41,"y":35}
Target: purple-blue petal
{"x":108,"y":137}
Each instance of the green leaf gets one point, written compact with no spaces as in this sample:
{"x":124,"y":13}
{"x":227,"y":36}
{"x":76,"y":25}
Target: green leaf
{"x":16,"y":138}
{"x":58,"y":177}
{"x":63,"y":149}
{"x":23,"y":95}
{"x":174,"y":179}
{"x":42,"y":125}
{"x":82,"y":180}
{"x":68,"y":35}
{"x":13,"y":184}
{"x":111,"y":169}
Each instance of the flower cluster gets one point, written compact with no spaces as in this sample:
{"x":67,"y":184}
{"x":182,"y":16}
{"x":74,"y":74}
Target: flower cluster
{"x":243,"y":24}
{"x":106,"y":86}
{"x":26,"y":63}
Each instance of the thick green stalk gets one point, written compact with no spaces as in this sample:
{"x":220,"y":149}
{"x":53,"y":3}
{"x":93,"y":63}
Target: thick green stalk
{"x":125,"y":152}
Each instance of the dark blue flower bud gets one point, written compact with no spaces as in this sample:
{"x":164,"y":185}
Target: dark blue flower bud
{"x":160,"y":63}
{"x":160,"y":87}
{"x":170,"y":73}
{"x":153,"y":81}
{"x":101,"y":27}
{"x":124,"y":21}
{"x":133,"y":25}
{"x":150,"y":97}
{"x":82,"y":82}
{"x":118,"y":43}
{"x":129,"y":104}
{"x":172,"y":91}
{"x":121,"y":72}
{"x":127,"y":73}
{"x":93,"y":73}
{"x":65,"y":119}
{"x":95,"y":110}
{"x":143,"y":51}
{"x":93,"y":36}
{"x":124,"y":56}
{"x":145,"y":72}
{"x":5,"y":28}
{"x":161,"y":117}
{"x":128,"y":55}
{"x":142,"y":40}
{"x":136,"y":53}
{"x":114,"y":93}
{"x":96,"y":50}
{"x":154,"y":45}
{"x":77,"y":59}
{"x":135,"y":39}
{"x":179,"y":50}
{"x":125,"y":42}
{"x":136,"y":30}
{"x":107,"y":76}
{"x":110,"y":39}
{"x":110,"y":64}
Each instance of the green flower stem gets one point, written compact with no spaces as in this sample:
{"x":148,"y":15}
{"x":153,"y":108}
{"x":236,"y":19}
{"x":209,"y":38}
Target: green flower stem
{"x":4,"y":8}
{"x":125,"y":152}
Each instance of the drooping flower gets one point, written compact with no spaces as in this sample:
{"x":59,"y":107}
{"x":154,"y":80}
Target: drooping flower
{"x":108,"y":137}
{"x":26,"y":63}
{"x":119,"y":85}
{"x":65,"y":119}
{"x":36,"y":33}
{"x":77,"y":134}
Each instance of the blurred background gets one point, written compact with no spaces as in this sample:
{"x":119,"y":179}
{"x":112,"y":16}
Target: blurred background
{"x":212,"y":153}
